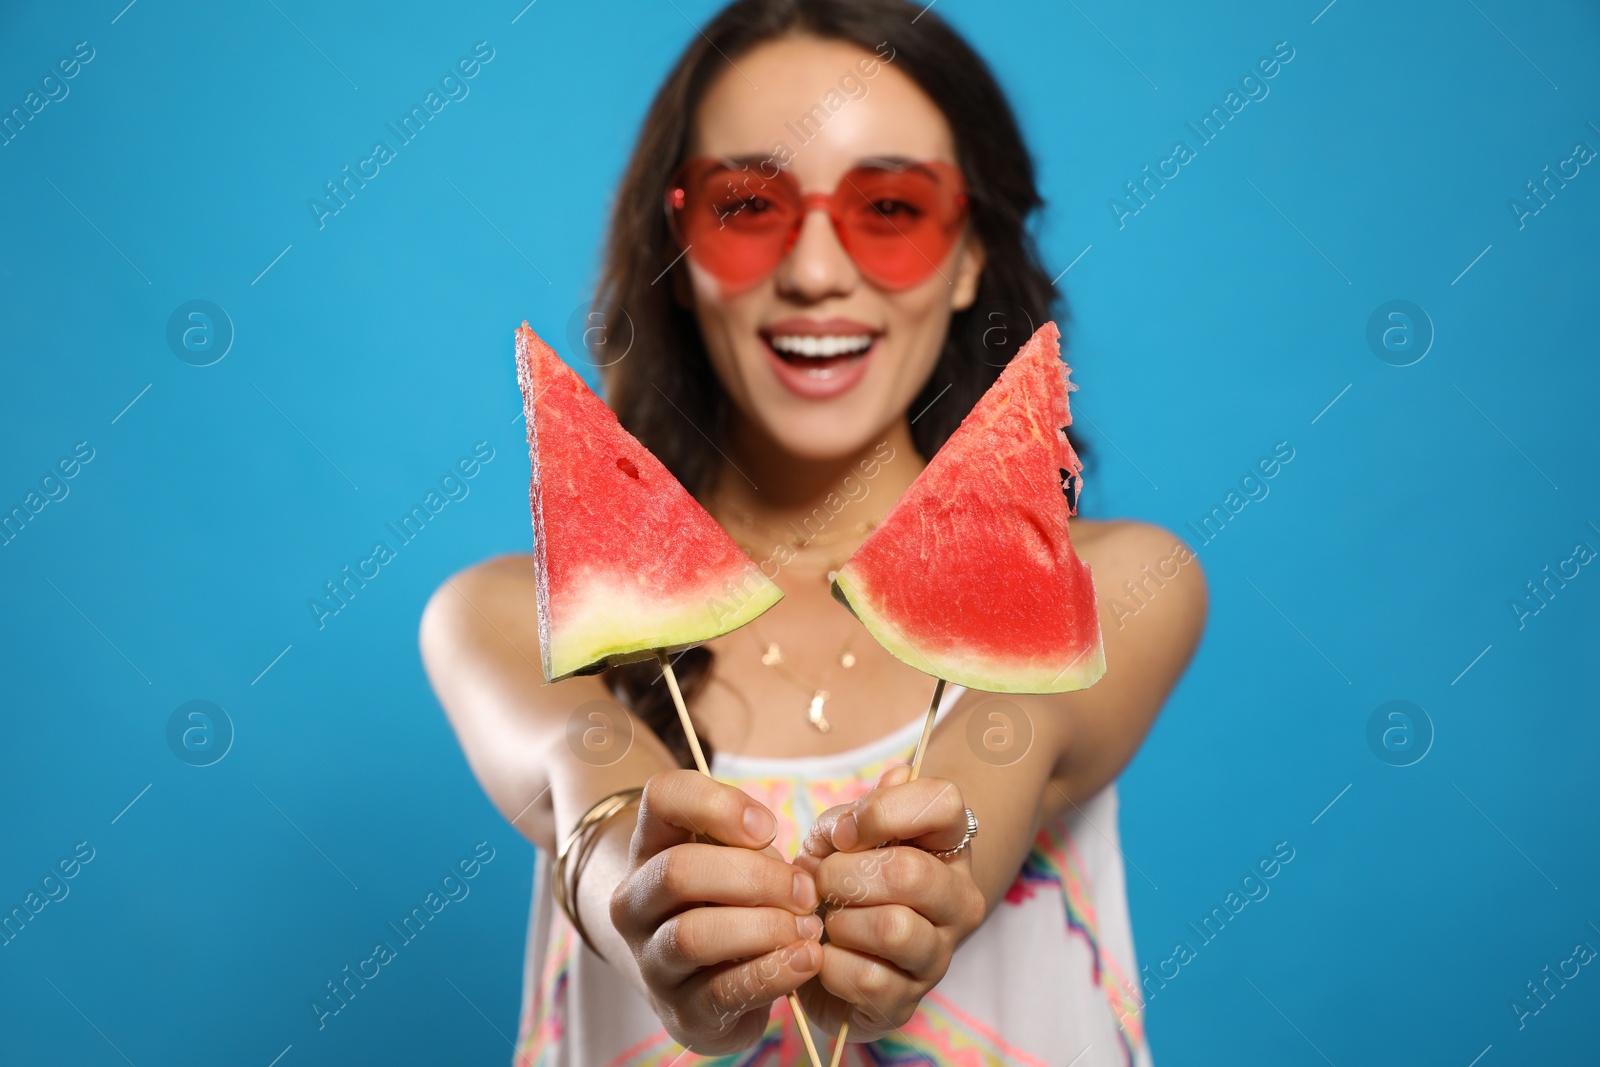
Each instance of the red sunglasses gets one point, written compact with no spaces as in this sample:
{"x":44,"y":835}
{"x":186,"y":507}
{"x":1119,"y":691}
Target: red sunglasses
{"x":897,"y":221}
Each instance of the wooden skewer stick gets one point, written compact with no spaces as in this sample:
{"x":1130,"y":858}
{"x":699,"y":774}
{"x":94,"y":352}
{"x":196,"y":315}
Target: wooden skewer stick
{"x":700,"y":763}
{"x":805,"y":1030}
{"x":683,"y":712}
{"x":927,"y":731}
{"x":839,"y":1043}
{"x":916,"y":769}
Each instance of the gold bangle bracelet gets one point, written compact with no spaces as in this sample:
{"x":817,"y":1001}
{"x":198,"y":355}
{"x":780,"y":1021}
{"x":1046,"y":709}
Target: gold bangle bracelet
{"x":580,"y":843}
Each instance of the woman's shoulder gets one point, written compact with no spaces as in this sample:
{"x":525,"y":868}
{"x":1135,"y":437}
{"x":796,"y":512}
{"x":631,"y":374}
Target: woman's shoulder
{"x":514,"y":567}
{"x":496,"y":595}
{"x":1138,"y":566}
{"x":499,"y":581}
{"x":1111,"y":538}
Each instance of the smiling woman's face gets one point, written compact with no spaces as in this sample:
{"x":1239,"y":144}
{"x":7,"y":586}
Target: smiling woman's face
{"x":823,"y":407}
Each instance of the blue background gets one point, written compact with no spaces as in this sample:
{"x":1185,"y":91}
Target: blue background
{"x":1223,"y":318}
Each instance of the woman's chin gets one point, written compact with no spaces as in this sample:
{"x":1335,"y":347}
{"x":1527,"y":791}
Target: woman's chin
{"x":821,"y":438}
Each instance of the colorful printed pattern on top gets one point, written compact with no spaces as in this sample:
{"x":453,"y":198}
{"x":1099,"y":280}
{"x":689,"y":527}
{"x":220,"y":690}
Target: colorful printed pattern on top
{"x":1054,"y":862}
{"x":940,"y":1034}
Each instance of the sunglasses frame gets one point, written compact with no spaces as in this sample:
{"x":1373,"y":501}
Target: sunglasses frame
{"x":675,"y":202}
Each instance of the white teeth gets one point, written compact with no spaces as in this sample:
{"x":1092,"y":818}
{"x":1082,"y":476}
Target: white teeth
{"x":820,"y":346}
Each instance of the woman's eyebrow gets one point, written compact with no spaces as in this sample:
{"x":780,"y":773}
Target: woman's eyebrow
{"x":895,"y":162}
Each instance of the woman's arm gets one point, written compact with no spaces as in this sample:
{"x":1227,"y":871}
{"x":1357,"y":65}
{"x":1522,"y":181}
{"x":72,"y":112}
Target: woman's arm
{"x":666,"y":910}
{"x":1019,"y":761}
{"x":1151,"y":633}
{"x":1080,"y":741}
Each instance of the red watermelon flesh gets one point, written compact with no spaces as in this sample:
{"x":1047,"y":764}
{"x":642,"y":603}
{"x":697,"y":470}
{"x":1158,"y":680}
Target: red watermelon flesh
{"x":626,"y":561}
{"x":972,"y":577}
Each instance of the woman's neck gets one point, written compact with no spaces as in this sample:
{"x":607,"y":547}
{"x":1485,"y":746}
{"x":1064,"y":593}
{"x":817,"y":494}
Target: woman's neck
{"x":765,"y":487}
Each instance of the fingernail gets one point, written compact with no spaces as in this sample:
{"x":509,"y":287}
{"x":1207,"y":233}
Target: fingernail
{"x":845,"y":835}
{"x":810,"y":927}
{"x":758,"y":824}
{"x":809,"y":956}
{"x":805,"y":891}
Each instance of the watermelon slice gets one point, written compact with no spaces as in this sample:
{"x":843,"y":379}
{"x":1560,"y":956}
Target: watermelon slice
{"x":972,"y":577}
{"x":626,"y":561}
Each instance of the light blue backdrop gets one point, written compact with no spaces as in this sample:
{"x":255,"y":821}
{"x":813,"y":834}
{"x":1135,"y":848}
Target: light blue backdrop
{"x":370,"y":354}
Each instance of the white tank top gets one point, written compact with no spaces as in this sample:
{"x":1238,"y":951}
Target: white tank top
{"x":1048,"y":980}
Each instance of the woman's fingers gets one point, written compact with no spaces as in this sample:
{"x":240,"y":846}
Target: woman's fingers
{"x":928,"y":811}
{"x":677,"y":805}
{"x":819,"y":841}
{"x":720,"y":923}
{"x":725,"y":994}
{"x":691,"y":874}
{"x":704,"y":937}
{"x":881,"y":997}
{"x":896,"y":875}
{"x":893,"y":933}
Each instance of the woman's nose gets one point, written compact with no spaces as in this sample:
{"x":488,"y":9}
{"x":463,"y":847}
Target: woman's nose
{"x":817,"y":266}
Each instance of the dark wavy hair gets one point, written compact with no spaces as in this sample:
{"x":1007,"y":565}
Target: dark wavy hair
{"x":667,"y":384}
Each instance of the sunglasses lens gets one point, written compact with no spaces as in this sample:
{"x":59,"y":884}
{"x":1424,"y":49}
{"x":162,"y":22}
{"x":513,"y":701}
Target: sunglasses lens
{"x":899,"y":224}
{"x":734,"y":222}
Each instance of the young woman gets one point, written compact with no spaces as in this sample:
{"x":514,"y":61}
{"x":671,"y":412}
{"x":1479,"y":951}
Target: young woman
{"x":795,"y":370}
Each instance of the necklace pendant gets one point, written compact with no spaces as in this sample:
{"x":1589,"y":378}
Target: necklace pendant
{"x":814,"y":713}
{"x":772,"y":656}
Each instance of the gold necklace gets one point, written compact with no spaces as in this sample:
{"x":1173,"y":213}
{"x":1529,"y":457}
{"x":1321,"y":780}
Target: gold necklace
{"x":829,"y":572}
{"x":801,"y":537}
{"x":772,"y":656}
{"x":796,"y":542}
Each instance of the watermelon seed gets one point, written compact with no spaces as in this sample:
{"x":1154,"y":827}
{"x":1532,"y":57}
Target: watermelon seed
{"x":625,"y":465}
{"x":1067,"y":488}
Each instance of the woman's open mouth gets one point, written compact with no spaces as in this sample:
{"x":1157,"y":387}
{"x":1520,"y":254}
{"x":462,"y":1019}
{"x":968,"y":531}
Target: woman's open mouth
{"x":819,"y":359}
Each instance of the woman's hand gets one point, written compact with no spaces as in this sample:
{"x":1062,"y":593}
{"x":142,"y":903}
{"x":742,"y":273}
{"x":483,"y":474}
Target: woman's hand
{"x":719,"y":931}
{"x":894,"y":914}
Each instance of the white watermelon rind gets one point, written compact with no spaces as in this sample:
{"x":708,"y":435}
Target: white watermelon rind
{"x":616,"y":625}
{"x":986,"y":673}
